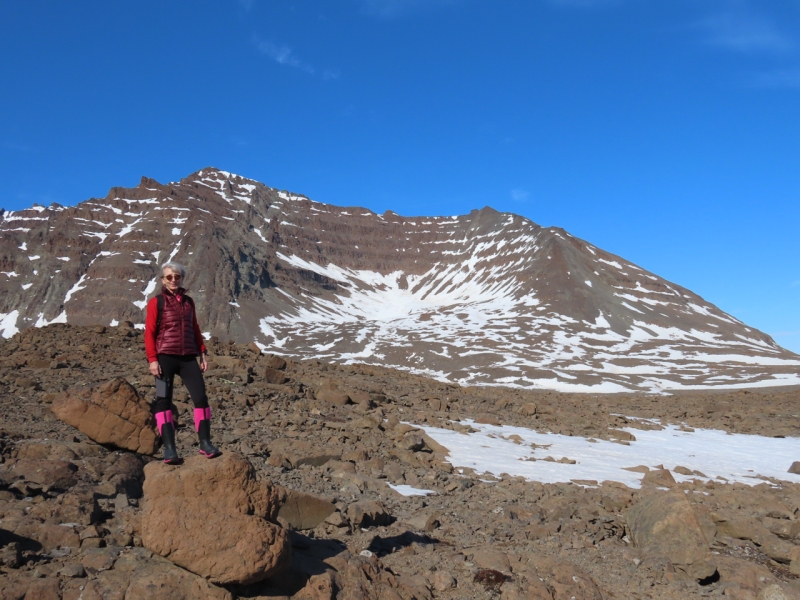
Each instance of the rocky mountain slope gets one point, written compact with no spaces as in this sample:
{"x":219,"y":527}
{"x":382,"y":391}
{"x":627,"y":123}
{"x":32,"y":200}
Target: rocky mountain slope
{"x":486,"y":298}
{"x":75,"y":514}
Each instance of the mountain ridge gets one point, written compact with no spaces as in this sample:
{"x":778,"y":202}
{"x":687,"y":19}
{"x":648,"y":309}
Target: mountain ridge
{"x":487,"y":298}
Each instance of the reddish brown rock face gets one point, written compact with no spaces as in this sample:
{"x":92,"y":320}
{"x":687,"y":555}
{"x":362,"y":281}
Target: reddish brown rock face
{"x":212,"y":517}
{"x":111,"y":413}
{"x":484,"y":298}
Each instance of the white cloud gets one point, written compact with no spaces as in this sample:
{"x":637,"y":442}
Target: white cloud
{"x":519,"y":195}
{"x":282,"y":55}
{"x":745,"y":33}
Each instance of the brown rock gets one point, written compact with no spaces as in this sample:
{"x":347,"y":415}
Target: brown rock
{"x":368,"y":513}
{"x":773,"y":592}
{"x":659,"y":478}
{"x":566,"y":580}
{"x":442,"y":581}
{"x":665,"y":525}
{"x":618,"y":434}
{"x":330,"y":393}
{"x":10,"y":555}
{"x":58,"y":474}
{"x":489,"y":558}
{"x":274,"y":376}
{"x":96,"y":560}
{"x":361,"y":397}
{"x":304,"y":511}
{"x":423,"y":521}
{"x":111,"y":413}
{"x":275,"y":362}
{"x":319,"y":587}
{"x":299,"y":452}
{"x":43,"y":589}
{"x":213,"y":518}
{"x":49,"y":535}
{"x":527,"y":409}
{"x":139,"y":574}
{"x":795,"y":468}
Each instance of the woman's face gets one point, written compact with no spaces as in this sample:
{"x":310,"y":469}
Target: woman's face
{"x":171,"y":279}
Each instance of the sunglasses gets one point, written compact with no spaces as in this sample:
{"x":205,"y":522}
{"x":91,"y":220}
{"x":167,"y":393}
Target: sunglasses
{"x":171,"y":277}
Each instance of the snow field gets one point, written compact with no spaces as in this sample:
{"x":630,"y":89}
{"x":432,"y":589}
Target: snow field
{"x":718,"y":455}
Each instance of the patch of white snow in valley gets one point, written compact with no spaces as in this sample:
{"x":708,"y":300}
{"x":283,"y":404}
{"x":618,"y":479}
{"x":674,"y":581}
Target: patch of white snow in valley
{"x":75,"y":288}
{"x":114,"y":323}
{"x":407,"y":490}
{"x":716,"y":454}
{"x":42,"y":322}
{"x":261,"y":235}
{"x":147,"y":291}
{"x":8,"y":323}
{"x":25,"y":286}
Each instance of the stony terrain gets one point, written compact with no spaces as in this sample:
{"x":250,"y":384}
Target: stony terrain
{"x":71,"y":520}
{"x":485,"y":298}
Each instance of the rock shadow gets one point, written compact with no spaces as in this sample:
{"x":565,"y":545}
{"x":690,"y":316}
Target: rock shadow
{"x":9,"y":537}
{"x":308,"y":556}
{"x":383,"y":546}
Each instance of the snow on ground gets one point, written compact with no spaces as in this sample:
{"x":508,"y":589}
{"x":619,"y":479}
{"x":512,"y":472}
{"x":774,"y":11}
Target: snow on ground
{"x":407,"y":490}
{"x":457,"y":313}
{"x":8,"y":323}
{"x":716,"y":454}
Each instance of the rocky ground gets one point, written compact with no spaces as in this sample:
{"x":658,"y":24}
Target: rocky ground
{"x":71,"y":510}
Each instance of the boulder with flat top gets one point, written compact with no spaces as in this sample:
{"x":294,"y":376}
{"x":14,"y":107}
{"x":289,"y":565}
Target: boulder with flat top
{"x":215,"y":518}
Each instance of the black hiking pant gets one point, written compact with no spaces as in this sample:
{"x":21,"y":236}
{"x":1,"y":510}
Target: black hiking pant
{"x":191,"y":375}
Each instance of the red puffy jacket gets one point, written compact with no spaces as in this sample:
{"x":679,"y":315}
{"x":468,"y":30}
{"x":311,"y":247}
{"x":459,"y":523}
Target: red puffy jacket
{"x":179,"y":333}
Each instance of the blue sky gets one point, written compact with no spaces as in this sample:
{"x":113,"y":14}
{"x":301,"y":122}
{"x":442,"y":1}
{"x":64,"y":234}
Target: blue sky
{"x":665,"y":131}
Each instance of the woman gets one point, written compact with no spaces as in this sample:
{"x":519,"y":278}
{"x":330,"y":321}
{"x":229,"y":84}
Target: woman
{"x":173,"y":342}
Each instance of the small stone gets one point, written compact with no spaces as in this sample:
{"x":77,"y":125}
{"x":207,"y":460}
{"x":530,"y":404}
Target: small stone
{"x":121,"y":502}
{"x":72,"y":570}
{"x":11,"y":555}
{"x":336,"y":519}
{"x":275,"y":362}
{"x":423,"y":522}
{"x":795,"y":468}
{"x":89,"y":532}
{"x":659,"y":477}
{"x":96,"y":560}
{"x":442,"y":581}
{"x":488,"y":558}
{"x":368,"y":513}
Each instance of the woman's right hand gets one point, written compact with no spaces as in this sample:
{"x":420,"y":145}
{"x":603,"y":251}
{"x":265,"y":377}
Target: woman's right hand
{"x":155,"y":368}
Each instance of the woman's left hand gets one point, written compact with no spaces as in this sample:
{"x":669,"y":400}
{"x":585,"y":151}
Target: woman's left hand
{"x":203,"y":363}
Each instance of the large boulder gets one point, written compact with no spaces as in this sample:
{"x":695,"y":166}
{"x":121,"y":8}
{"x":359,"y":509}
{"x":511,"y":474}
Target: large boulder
{"x":665,"y":525}
{"x":110,"y":413}
{"x":214,"y":518}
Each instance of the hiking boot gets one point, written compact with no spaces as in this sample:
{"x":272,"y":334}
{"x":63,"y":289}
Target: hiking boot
{"x":166,"y":429}
{"x":204,"y":435}
{"x":202,"y":423}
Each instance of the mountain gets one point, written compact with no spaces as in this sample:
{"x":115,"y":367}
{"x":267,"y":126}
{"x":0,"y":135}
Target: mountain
{"x":486,"y":298}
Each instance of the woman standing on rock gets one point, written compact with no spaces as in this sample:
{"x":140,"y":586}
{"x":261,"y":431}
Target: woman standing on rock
{"x":173,"y":342}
